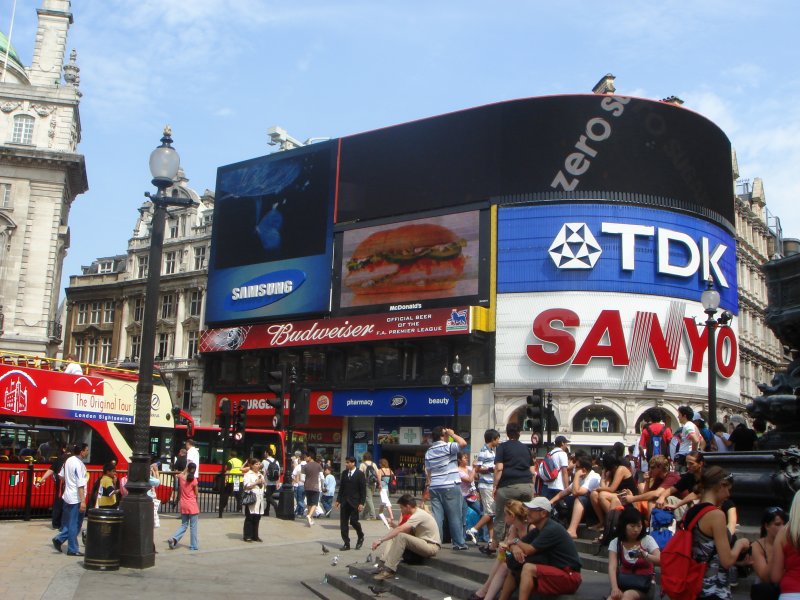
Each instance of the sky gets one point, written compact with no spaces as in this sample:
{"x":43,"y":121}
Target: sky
{"x":221,"y":72}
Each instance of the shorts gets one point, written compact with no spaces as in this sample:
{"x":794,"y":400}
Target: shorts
{"x":385,"y":497}
{"x":552,"y":581}
{"x":312,"y":498}
{"x":487,"y":500}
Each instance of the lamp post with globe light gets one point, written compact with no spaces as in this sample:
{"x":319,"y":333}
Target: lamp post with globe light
{"x":710,"y":301}
{"x":458,"y":389}
{"x":137,"y":527}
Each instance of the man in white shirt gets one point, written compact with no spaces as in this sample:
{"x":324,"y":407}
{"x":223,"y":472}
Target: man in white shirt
{"x":73,"y":474}
{"x":73,"y":368}
{"x":688,"y":435}
{"x":558,"y":488}
{"x":193,"y":456}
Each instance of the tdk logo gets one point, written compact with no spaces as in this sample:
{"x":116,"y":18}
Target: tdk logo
{"x":575,"y":247}
{"x":264,"y":289}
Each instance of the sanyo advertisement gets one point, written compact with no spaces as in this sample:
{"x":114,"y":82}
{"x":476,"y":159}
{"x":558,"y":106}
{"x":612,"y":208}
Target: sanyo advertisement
{"x":608,"y":298}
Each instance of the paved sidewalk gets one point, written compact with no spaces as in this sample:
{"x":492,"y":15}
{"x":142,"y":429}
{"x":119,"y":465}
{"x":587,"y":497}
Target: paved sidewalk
{"x":30,"y":569}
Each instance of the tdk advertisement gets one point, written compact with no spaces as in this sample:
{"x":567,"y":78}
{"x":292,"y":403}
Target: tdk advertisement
{"x":271,"y":248}
{"x":614,"y":248}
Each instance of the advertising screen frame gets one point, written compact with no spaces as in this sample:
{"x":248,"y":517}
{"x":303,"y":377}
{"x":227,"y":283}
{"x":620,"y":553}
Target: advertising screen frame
{"x":478,"y":249}
{"x":272,"y":242}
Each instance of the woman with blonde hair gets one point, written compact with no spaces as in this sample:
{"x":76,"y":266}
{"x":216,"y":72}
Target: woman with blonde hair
{"x":386,"y":474}
{"x":516,"y":520}
{"x":785,"y":568}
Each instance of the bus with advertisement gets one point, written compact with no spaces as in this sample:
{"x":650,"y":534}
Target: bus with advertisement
{"x":44,"y":410}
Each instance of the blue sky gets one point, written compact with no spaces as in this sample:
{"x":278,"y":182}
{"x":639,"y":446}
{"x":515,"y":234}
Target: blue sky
{"x":221,"y":72}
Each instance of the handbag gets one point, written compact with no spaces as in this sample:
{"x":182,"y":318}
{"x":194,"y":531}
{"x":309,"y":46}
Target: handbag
{"x":248,"y":498}
{"x":630,"y":581}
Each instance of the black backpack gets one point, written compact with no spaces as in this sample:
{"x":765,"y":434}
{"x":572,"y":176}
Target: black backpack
{"x":273,"y":470}
{"x":656,"y":444}
{"x":372,"y":477}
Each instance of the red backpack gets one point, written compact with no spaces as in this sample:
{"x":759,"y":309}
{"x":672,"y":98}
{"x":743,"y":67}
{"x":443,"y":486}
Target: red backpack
{"x":681,"y":575}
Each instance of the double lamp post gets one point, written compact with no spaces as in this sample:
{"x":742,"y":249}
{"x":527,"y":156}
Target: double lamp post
{"x":710,"y":301}
{"x":458,"y":388}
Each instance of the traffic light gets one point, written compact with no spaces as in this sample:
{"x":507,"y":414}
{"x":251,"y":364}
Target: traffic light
{"x":239,"y":421}
{"x":300,"y":401}
{"x":535,"y":413}
{"x":224,"y":416}
{"x":278,"y":384}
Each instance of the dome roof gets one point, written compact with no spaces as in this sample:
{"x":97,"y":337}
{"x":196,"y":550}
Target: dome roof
{"x":12,"y":53}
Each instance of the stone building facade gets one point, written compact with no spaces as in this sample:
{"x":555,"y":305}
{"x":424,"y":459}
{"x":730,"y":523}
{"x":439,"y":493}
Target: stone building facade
{"x":41,"y":174}
{"x":105,"y":303}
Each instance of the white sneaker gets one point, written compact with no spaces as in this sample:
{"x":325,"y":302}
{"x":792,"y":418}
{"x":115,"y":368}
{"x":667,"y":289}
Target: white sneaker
{"x":472,"y":535}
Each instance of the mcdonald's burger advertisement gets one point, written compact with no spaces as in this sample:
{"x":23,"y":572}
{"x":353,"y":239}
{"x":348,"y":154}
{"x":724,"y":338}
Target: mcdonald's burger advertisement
{"x":608,"y":297}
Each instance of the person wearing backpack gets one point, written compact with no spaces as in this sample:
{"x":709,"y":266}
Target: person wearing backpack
{"x":271,"y":469}
{"x":656,"y":436}
{"x":553,"y":471}
{"x":632,"y":556}
{"x":695,"y":562}
{"x":371,"y":474}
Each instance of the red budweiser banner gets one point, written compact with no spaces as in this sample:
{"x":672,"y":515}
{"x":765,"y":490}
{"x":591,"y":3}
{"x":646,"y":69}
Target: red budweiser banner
{"x":405,"y":324}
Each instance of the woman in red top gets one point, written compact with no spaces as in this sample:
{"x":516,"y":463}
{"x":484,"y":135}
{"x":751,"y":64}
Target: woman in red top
{"x":786,"y":555}
{"x":190,"y":511}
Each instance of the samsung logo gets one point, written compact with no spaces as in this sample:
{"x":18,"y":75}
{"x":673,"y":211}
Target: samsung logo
{"x":264,"y":289}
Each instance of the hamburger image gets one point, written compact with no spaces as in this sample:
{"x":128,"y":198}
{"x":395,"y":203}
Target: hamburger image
{"x":419,"y":257}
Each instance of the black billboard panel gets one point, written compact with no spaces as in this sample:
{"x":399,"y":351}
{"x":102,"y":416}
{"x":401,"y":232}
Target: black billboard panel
{"x":421,"y":263}
{"x":555,"y":144}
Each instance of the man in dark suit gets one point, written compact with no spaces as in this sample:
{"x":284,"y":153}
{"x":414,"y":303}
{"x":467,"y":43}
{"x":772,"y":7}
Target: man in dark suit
{"x":352,"y":496}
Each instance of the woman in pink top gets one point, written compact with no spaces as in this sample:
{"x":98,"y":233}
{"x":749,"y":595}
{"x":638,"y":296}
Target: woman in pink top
{"x":190,"y":511}
{"x":785,"y":568}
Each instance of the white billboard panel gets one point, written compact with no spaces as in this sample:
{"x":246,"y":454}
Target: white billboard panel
{"x":611,"y":341}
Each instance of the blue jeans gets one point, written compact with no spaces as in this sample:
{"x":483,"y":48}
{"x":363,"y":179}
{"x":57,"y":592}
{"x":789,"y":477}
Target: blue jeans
{"x":448,"y":501}
{"x":327,"y":502}
{"x":70,"y":527}
{"x":187,"y":522}
{"x":300,"y":500}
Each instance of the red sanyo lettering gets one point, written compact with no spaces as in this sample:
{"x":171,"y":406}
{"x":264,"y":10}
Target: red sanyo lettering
{"x":607,"y":339}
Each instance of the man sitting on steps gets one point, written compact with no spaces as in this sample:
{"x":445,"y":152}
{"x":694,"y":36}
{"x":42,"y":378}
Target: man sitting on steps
{"x":419,"y":534}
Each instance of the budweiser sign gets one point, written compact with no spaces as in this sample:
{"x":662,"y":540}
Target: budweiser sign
{"x":406,"y":324}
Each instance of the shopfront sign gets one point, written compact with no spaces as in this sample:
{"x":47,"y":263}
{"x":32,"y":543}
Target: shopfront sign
{"x":257,"y":404}
{"x":406,"y":324}
{"x":398,"y":403}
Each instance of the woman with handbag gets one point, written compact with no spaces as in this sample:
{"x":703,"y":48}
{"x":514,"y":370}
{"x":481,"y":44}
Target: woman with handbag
{"x":772,"y":521}
{"x":253,"y":500}
{"x":632,"y":557}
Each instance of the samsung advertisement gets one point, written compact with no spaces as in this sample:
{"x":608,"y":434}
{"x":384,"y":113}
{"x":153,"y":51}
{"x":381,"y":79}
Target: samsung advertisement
{"x":272,"y":244}
{"x":416,"y":264}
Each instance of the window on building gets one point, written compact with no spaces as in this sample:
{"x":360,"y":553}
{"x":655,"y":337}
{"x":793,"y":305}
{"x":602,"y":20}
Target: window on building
{"x":83,"y":313}
{"x":92,"y":346}
{"x":138,"y":309}
{"x":168,"y":306}
{"x":165,"y":347}
{"x":173,"y":228}
{"x":596,"y":419}
{"x":387,"y":362}
{"x":97,"y":310}
{"x":142,"y":266}
{"x":106,"y":266}
{"x":136,"y":347}
{"x":108,"y":311}
{"x":5,"y":195}
{"x":182,"y":228}
{"x":23,"y":129}
{"x":359,"y":364}
{"x":186,"y":399}
{"x":251,"y":368}
{"x":170,"y":260}
{"x":199,"y":258}
{"x":105,"y":350}
{"x":208,"y":218}
{"x":80,"y":349}
{"x":313,"y":366}
{"x":192,"y":344}
{"x":195,"y":302}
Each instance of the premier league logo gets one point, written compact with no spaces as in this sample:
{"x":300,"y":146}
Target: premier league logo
{"x":575,"y":247}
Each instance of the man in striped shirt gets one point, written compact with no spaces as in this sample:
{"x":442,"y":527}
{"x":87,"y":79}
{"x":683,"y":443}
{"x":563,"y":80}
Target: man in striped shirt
{"x":444,"y":483}
{"x":484,"y":465}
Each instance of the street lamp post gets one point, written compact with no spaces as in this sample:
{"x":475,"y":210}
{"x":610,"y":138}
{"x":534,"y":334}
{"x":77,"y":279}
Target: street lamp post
{"x":457,"y":389}
{"x":138,"y":551}
{"x":710,"y":301}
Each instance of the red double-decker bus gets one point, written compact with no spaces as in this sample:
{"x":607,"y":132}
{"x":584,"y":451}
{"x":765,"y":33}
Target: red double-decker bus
{"x":43,"y":410}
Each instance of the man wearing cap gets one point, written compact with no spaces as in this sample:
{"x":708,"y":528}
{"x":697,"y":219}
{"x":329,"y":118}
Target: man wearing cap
{"x":546,"y":561}
{"x":706,"y":436}
{"x":559,"y":487}
{"x":742,"y":438}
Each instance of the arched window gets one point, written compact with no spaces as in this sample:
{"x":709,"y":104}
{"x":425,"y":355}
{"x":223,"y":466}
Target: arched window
{"x":596,"y":419}
{"x":23,"y":130}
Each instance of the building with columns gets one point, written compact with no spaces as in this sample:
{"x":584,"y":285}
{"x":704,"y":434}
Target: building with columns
{"x":41,"y":174}
{"x":105,"y":303}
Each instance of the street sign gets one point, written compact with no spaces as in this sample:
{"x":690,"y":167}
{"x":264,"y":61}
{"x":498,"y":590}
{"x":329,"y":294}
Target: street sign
{"x":535,"y":439}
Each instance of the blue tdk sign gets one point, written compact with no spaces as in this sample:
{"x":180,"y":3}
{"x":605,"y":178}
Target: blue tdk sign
{"x":613,"y":248}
